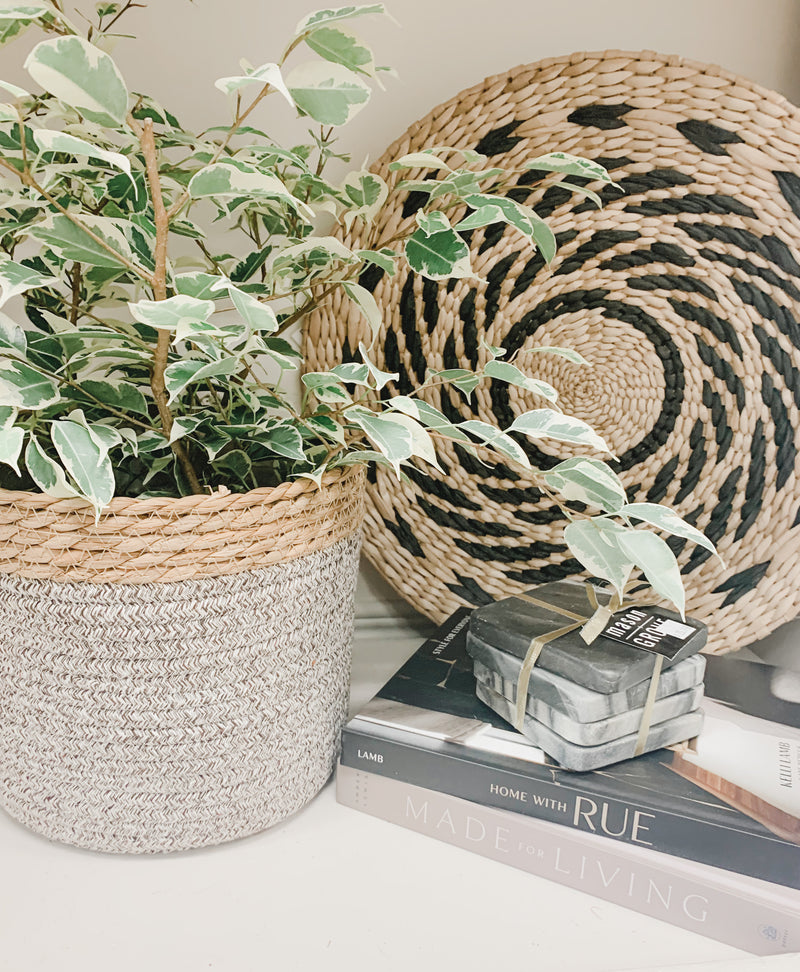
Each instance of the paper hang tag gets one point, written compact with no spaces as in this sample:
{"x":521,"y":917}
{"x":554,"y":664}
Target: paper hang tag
{"x":647,"y":629}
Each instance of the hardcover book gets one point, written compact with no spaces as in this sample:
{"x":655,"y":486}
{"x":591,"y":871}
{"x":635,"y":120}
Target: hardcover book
{"x":729,"y":799}
{"x":749,"y":914}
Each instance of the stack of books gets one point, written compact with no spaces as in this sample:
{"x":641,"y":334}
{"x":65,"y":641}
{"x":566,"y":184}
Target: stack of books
{"x":705,"y":835}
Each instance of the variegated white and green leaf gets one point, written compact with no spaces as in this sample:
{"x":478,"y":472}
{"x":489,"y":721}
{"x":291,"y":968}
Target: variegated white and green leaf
{"x":596,"y":544}
{"x":180,"y":374}
{"x":121,"y":395}
{"x":325,"y":388}
{"x":11,"y":441}
{"x":342,"y":46}
{"x":574,"y":356}
{"x":180,"y":314}
{"x":419,"y":160}
{"x":320,"y":18}
{"x":14,"y":89}
{"x":505,"y":371}
{"x":72,"y":243}
{"x":49,"y":141}
{"x":22,"y":386}
{"x":266,"y":74}
{"x":203,"y":286}
{"x":431,"y":223}
{"x":86,"y":460}
{"x":284,"y":440}
{"x":522,"y":218}
{"x":82,"y":76}
{"x":12,"y":336}
{"x":385,"y":258}
{"x":15,"y":278}
{"x":662,"y":518}
{"x":326,"y":92}
{"x":50,"y":478}
{"x":428,"y":415}
{"x":257,"y":315}
{"x":379,"y":378}
{"x":389,"y":433}
{"x":590,"y":481}
{"x":223,"y":179}
{"x":567,"y":164}
{"x":466,"y":381}
{"x":544,"y":423}
{"x":367,"y":304}
{"x":497,"y":440}
{"x":653,"y":555}
{"x":439,"y":256}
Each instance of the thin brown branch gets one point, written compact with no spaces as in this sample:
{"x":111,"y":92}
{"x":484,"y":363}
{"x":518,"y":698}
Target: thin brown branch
{"x":159,"y":284}
{"x":75,"y":280}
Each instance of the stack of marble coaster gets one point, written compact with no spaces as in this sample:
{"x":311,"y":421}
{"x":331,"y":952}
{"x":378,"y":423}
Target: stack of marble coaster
{"x":585,"y":703}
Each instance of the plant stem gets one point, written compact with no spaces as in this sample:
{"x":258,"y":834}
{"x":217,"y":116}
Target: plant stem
{"x":75,"y":280}
{"x":159,"y":284}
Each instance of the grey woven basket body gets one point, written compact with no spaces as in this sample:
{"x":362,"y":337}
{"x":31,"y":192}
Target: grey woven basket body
{"x":161,"y":716}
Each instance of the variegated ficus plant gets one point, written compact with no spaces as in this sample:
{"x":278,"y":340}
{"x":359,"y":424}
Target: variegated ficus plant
{"x":144,"y":356}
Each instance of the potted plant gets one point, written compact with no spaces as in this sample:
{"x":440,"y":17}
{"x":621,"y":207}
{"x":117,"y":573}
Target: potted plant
{"x":179,"y":520}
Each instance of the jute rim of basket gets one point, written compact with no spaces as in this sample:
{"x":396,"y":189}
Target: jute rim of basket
{"x":222,"y":499}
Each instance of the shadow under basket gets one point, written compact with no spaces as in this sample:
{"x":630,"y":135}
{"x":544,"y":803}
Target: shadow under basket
{"x":176,"y":675}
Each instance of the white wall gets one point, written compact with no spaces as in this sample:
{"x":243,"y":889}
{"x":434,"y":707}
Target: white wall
{"x":440,"y":47}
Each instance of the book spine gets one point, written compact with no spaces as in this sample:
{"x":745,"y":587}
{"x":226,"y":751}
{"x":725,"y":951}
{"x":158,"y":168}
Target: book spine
{"x":457,"y":771}
{"x":631,"y":877}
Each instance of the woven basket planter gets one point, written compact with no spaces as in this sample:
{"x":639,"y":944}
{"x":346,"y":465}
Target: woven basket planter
{"x":177,"y":674}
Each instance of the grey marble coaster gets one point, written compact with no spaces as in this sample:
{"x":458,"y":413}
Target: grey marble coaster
{"x":585,"y":758}
{"x":592,"y":733}
{"x":576,"y":702}
{"x":607,"y":665}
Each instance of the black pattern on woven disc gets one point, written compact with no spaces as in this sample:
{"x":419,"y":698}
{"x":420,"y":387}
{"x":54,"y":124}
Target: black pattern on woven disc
{"x":683,"y":292}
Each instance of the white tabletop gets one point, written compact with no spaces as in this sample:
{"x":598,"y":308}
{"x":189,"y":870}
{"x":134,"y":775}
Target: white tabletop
{"x":330,"y":889}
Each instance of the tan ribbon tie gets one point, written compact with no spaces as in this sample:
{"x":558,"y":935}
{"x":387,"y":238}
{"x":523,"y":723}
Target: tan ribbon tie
{"x":590,"y":629}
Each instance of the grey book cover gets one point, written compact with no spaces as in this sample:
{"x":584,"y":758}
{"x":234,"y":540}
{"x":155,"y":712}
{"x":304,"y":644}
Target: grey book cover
{"x":743,"y":912}
{"x":727,"y":801}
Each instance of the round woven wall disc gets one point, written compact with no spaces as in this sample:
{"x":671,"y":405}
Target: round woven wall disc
{"x":684,"y":294}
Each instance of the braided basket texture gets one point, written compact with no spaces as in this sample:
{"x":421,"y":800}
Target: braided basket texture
{"x":156,"y":716}
{"x":683,"y":292}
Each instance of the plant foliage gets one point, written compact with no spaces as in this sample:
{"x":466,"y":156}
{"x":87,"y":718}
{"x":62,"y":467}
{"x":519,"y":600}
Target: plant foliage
{"x":147,"y":360}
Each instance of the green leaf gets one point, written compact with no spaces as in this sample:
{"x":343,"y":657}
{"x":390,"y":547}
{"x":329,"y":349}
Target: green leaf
{"x":366,"y":192}
{"x":521,"y":217}
{"x":326,"y":388}
{"x":28,"y":10}
{"x":16,"y":279}
{"x":366,"y":303}
{"x":466,"y":381}
{"x":284,"y":440}
{"x":497,"y":440}
{"x":595,"y":543}
{"x":342,"y":47}
{"x":586,"y":480}
{"x":11,"y":441}
{"x":326,"y":428}
{"x":657,"y":561}
{"x":82,"y":76}
{"x":23,"y":387}
{"x":179,"y":313}
{"x":665,"y":519}
{"x":567,"y":353}
{"x":505,"y":371}
{"x":483,"y":216}
{"x":185,"y":425}
{"x":48,"y":475}
{"x":14,"y":89}
{"x":237,"y":179}
{"x":439,"y":256}
{"x":328,"y":93}
{"x":266,"y":74}
{"x":568,"y":164}
{"x":351,"y":372}
{"x":428,"y":415}
{"x":72,"y":243}
{"x":48,"y":141}
{"x":260,"y":317}
{"x":387,"y":432}
{"x":180,"y":374}
{"x":334,"y":15}
{"x":386,"y":259}
{"x":419,"y":160}
{"x":544,"y":423}
{"x":121,"y":395}
{"x":379,"y":378}
{"x":86,"y":460}
{"x":12,"y":337}
{"x":202,"y":286}
{"x":431,"y":223}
